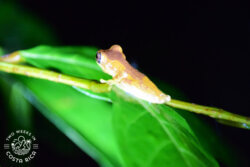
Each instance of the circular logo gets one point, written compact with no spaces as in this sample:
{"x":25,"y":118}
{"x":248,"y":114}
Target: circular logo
{"x":20,"y":146}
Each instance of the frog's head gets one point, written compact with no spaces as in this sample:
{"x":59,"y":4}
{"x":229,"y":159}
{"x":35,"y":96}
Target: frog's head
{"x":110,"y":60}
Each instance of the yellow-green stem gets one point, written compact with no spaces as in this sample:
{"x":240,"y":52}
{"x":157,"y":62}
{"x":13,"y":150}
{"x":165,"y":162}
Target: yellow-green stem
{"x":211,"y":111}
{"x":54,"y":76}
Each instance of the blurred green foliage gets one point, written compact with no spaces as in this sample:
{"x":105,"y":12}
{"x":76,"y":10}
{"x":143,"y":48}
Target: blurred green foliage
{"x":19,"y":109}
{"x":22,"y":29}
{"x":1,"y":51}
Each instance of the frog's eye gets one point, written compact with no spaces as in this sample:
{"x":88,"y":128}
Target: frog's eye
{"x":98,"y":57}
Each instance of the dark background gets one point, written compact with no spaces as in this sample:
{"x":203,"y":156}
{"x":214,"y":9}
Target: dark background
{"x":199,"y":47}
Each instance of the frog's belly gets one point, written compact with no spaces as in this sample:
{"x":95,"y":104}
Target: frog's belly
{"x":142,"y":94}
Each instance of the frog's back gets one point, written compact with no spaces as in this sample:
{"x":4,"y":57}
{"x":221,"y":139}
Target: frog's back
{"x":139,"y":85}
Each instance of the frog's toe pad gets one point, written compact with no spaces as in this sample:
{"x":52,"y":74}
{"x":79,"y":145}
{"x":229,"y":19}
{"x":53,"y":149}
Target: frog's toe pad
{"x":103,"y":81}
{"x":168,"y":98}
{"x":110,"y":82}
{"x":165,"y":98}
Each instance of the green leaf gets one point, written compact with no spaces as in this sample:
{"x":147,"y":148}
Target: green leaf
{"x":78,"y":61}
{"x":74,"y":61}
{"x":155,"y":135}
{"x":86,"y":121}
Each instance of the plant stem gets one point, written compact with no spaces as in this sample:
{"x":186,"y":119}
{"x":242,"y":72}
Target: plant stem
{"x":100,"y":87}
{"x":54,"y":76}
{"x":211,"y":111}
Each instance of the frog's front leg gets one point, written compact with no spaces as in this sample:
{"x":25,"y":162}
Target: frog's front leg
{"x":115,"y":80}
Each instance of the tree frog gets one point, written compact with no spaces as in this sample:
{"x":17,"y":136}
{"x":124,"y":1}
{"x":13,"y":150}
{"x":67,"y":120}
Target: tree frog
{"x":113,"y":62}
